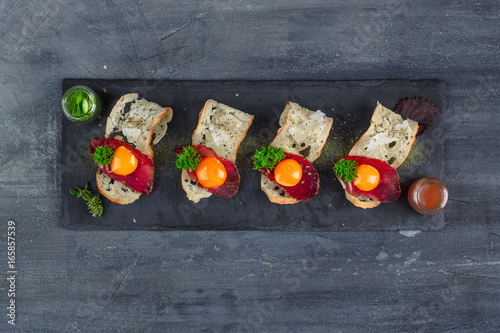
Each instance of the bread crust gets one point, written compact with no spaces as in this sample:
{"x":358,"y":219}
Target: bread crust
{"x":150,"y":136}
{"x":409,"y":147}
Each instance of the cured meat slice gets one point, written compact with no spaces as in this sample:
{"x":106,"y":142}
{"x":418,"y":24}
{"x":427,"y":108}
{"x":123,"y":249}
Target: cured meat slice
{"x":141,"y":180}
{"x":388,"y":189}
{"x":308,"y":185}
{"x":232,"y":183}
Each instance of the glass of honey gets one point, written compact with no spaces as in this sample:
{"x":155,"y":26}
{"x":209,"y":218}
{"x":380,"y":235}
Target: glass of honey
{"x":428,"y":195}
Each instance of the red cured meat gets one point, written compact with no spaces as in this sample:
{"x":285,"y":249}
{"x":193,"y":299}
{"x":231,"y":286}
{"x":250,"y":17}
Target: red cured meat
{"x":141,"y":180}
{"x":232,"y":183}
{"x":388,"y":190}
{"x":309,"y":183}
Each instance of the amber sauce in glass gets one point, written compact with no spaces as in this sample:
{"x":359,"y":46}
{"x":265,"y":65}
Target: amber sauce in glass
{"x":428,"y":195}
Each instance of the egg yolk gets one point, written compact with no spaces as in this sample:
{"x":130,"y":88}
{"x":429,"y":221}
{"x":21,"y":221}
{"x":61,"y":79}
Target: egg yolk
{"x":288,"y":172}
{"x":124,"y":162}
{"x":211,"y":172}
{"x":368,"y":177}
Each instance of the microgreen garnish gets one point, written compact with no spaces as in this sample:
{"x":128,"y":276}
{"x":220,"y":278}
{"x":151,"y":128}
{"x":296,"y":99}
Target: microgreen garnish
{"x":78,"y":103}
{"x":92,"y":201}
{"x":188,"y":159}
{"x":267,"y":158}
{"x":103,"y":155}
{"x":346,"y":170}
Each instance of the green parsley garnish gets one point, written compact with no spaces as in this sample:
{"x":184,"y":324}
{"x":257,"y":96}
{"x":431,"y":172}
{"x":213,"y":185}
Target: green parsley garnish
{"x":103,"y":155}
{"x":92,"y":201}
{"x":189,"y":159}
{"x":267,"y":158}
{"x":346,"y":170}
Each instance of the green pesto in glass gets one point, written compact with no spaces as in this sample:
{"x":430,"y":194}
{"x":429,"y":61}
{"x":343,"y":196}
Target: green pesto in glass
{"x":81,"y":104}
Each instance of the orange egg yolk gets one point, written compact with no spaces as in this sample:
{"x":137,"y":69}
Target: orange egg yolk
{"x":124,"y":162}
{"x":288,"y":172}
{"x":211,"y":172}
{"x":368,"y":177}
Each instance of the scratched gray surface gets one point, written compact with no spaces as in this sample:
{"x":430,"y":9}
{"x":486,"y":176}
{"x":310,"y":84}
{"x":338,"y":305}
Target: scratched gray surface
{"x":182,"y":281}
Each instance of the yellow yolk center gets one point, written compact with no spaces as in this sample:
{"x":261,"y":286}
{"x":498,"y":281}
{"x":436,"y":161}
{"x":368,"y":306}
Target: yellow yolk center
{"x":211,"y":172}
{"x":124,"y":162}
{"x":288,"y":172}
{"x":368,"y":177}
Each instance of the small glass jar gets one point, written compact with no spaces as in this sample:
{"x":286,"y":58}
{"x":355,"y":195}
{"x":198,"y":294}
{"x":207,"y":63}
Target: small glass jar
{"x":428,"y":195}
{"x":81,"y":104}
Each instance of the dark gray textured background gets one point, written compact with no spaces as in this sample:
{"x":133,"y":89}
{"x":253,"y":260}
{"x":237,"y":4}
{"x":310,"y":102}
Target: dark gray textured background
{"x":84,"y":281}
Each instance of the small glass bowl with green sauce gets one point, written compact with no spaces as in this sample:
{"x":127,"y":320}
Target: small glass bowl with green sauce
{"x":81,"y":104}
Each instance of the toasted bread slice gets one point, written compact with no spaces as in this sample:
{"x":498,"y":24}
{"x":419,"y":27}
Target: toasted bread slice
{"x":114,"y":190}
{"x":275,"y":193}
{"x":138,"y":122}
{"x":222,"y":129}
{"x":135,"y":120}
{"x":193,"y":191}
{"x":361,"y":201}
{"x":389,"y":138}
{"x":300,"y":129}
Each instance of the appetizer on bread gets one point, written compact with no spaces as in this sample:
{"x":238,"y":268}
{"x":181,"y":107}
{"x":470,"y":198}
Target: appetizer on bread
{"x":124,"y":155}
{"x":368,"y":174}
{"x":287,"y":173}
{"x":208,"y":164}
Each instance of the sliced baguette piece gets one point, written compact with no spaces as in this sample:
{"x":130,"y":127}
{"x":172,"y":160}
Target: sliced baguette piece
{"x":193,"y":191}
{"x":361,"y":201}
{"x":275,"y":193}
{"x":115,"y":191}
{"x":300,"y":129}
{"x":389,"y":138}
{"x":221,"y":128}
{"x":135,"y":121}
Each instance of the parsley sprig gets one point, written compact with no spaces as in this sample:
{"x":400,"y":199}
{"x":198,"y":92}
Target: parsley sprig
{"x":347,"y":170}
{"x":188,"y":159}
{"x":92,"y":201}
{"x":267,"y":158}
{"x":103,"y":155}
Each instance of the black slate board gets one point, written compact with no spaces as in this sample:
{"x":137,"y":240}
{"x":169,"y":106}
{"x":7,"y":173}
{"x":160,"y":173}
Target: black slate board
{"x":349,"y":103}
